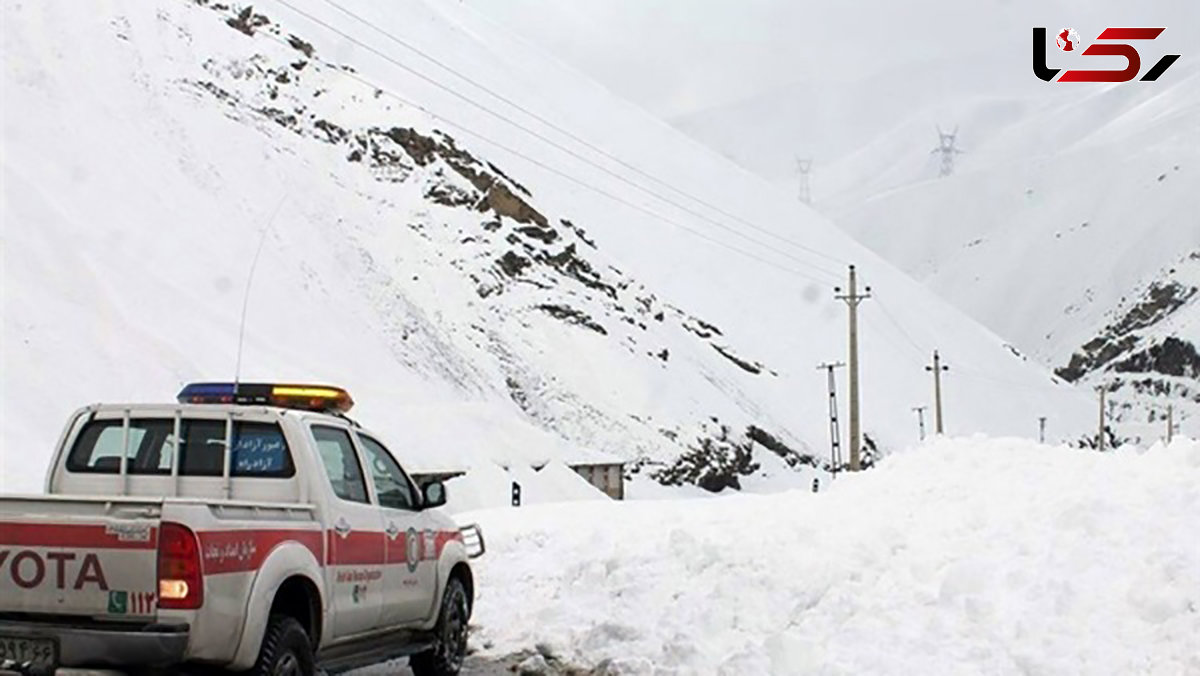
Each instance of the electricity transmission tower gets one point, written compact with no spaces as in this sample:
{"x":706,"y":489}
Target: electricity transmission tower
{"x":920,"y":411}
{"x":947,"y":149}
{"x":937,"y":368}
{"x":852,"y":299}
{"x":804,"y":166}
{"x":835,"y":437}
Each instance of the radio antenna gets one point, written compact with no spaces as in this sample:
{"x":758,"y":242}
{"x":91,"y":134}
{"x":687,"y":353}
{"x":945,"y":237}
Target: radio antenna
{"x":262,"y":239}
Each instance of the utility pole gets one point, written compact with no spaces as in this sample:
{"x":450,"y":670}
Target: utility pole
{"x":804,"y":165}
{"x":1100,"y":444}
{"x":835,"y":437}
{"x":947,"y":150}
{"x":1042,"y":430}
{"x":1170,"y":423}
{"x":921,"y":419}
{"x":937,"y":369}
{"x":852,"y":299}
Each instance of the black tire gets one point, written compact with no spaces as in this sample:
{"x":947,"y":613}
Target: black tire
{"x":446,"y":657}
{"x":286,"y":650}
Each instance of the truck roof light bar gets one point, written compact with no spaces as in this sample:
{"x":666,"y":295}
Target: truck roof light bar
{"x":321,"y":398}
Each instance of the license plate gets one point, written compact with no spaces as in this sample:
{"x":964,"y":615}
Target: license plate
{"x":39,"y":653}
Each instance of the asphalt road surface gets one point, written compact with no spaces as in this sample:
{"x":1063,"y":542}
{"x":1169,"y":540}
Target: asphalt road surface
{"x":494,"y":666}
{"x":474,"y":666}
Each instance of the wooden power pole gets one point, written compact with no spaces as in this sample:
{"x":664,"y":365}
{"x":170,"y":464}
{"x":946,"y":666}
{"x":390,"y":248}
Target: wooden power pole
{"x":920,"y":410}
{"x":835,"y":436}
{"x":852,"y":299}
{"x":1100,"y":443}
{"x":1170,"y":423}
{"x":1042,"y":429}
{"x":937,"y":369}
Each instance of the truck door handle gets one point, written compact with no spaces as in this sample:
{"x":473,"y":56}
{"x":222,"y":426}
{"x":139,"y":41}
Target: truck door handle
{"x":392,"y":530}
{"x":342,"y":526}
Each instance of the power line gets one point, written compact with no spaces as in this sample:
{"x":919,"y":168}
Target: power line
{"x":549,"y":123}
{"x":962,"y":370}
{"x":584,"y":184}
{"x":979,"y":375}
{"x":543,"y":138}
{"x":900,"y":329}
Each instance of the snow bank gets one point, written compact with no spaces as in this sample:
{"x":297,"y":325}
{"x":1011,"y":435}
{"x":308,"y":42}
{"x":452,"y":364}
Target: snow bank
{"x":489,"y":485}
{"x":970,"y":556}
{"x":456,"y":436}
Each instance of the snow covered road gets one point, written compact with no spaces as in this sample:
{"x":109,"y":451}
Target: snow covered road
{"x":968,"y":556}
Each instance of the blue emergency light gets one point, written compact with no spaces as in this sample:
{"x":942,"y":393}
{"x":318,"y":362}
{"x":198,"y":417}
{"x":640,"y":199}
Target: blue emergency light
{"x":323,"y":398}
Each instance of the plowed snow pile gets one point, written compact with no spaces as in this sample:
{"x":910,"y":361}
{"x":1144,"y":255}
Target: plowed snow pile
{"x":970,"y":556}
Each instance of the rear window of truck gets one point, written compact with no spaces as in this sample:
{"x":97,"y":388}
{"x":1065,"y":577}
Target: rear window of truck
{"x":259,"y":449}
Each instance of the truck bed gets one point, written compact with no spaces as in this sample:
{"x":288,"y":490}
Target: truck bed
{"x":79,"y":556}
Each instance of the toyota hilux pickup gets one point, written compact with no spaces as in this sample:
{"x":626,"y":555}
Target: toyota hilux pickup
{"x":247,"y":527}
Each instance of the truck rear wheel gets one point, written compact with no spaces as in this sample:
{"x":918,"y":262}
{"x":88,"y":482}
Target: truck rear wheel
{"x":446,"y":658}
{"x":286,"y":650}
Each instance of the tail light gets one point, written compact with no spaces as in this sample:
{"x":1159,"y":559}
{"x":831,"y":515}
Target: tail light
{"x":180,"y":579}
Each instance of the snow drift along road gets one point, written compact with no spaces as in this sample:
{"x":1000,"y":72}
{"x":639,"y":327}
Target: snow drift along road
{"x":965,"y":556}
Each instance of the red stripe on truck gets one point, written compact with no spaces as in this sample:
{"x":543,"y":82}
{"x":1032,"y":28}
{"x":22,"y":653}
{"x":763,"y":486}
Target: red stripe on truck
{"x":84,"y":536}
{"x":396,"y":547}
{"x":445,"y":537}
{"x":238,"y":551}
{"x":242,"y":550}
{"x":357,"y":548}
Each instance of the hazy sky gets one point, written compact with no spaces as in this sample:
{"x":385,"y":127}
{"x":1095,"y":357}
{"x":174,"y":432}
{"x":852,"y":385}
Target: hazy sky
{"x":679,"y":56}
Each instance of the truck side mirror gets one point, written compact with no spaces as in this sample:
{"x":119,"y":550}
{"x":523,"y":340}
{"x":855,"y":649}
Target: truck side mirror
{"x":434,"y":494}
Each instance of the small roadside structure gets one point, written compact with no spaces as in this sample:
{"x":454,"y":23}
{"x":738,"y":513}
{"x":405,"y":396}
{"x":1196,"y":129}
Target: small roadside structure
{"x":481,"y":449}
{"x":607,"y":476}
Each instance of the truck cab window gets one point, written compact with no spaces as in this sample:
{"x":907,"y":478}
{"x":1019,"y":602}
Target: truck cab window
{"x":259,"y":449}
{"x":98,"y":447}
{"x":391,"y":483}
{"x":341,"y":463}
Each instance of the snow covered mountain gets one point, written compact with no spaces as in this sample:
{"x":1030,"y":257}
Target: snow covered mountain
{"x":1070,"y":213}
{"x":519,"y":271}
{"x":1083,"y":256}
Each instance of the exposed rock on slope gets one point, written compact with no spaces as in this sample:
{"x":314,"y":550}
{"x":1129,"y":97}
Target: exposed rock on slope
{"x":521,"y":262}
{"x":1148,"y":355}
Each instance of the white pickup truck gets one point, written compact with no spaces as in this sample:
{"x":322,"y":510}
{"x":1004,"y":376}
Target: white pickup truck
{"x":251,"y":527}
